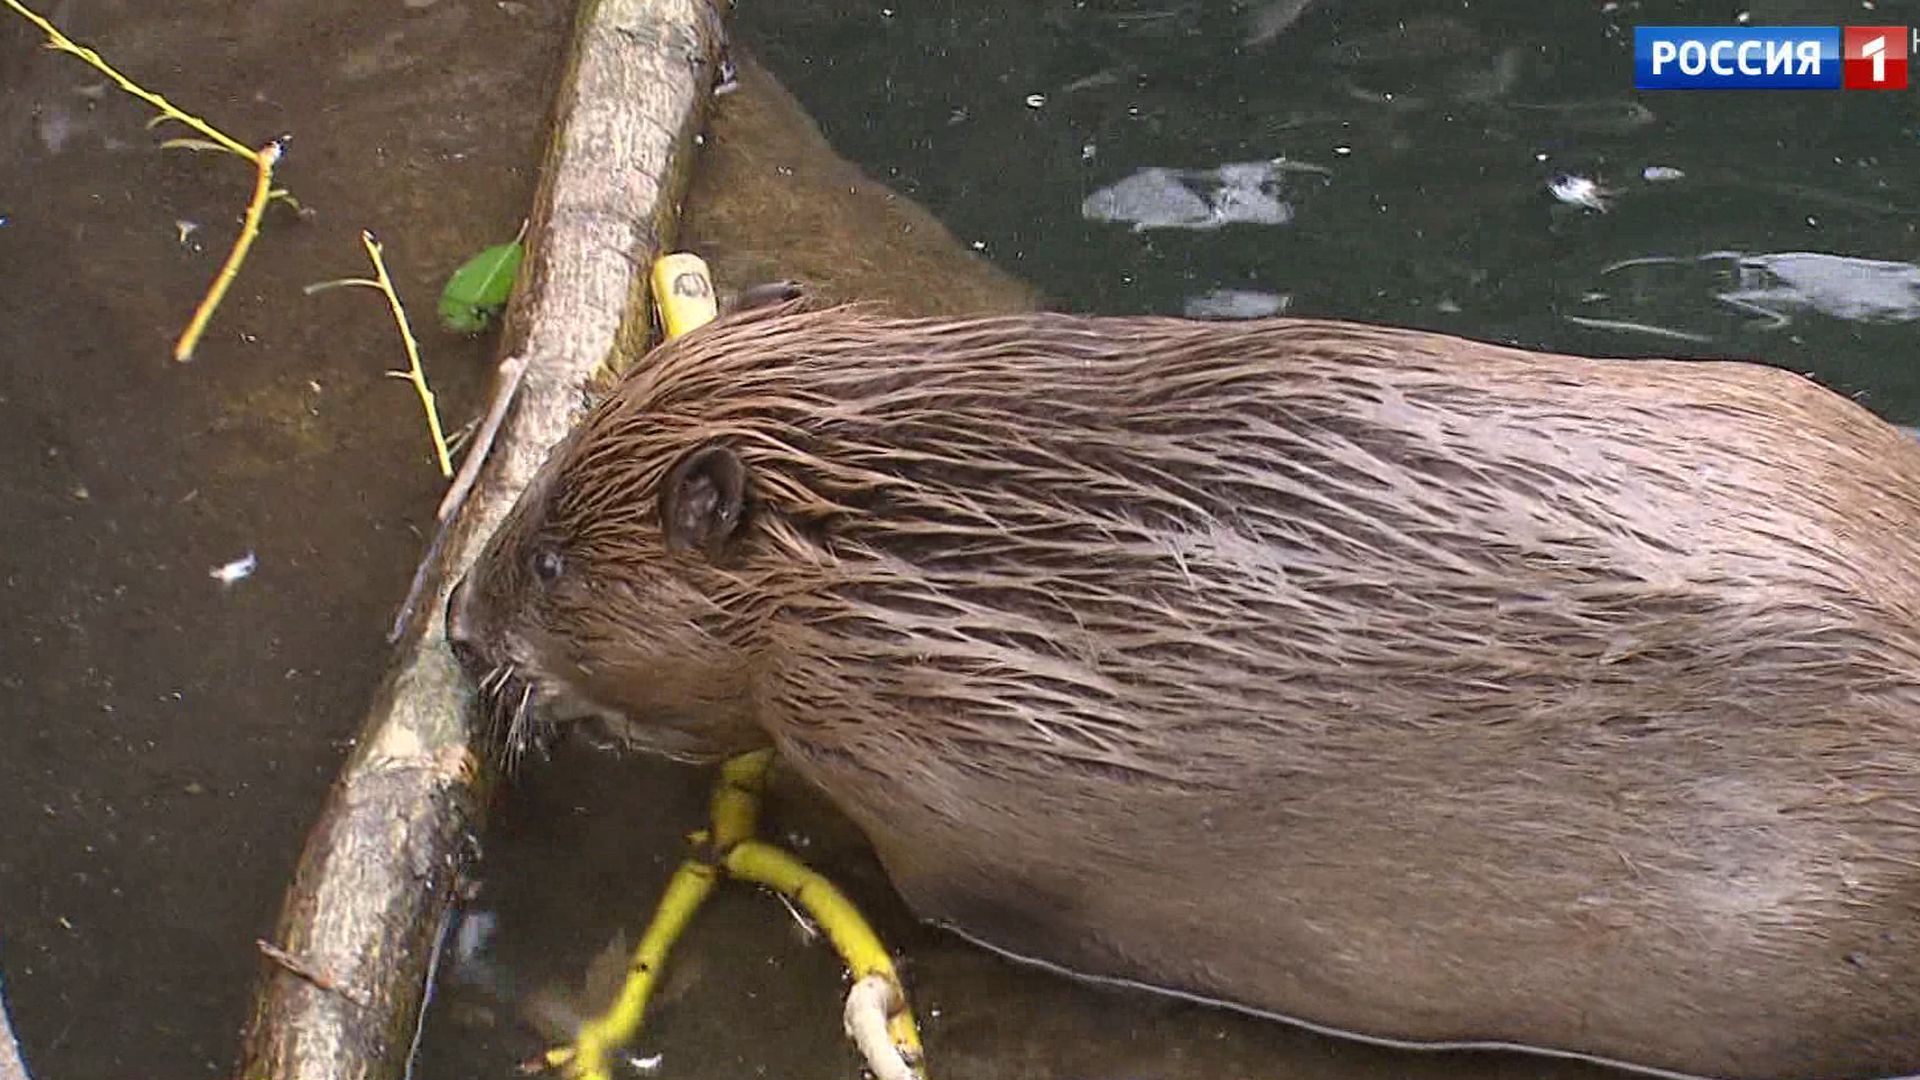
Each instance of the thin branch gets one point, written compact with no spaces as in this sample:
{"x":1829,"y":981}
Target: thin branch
{"x":62,"y":43}
{"x":264,"y":160}
{"x":414,"y":373}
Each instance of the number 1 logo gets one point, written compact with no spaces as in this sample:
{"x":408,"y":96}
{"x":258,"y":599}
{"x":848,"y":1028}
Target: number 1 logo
{"x":1874,"y":58}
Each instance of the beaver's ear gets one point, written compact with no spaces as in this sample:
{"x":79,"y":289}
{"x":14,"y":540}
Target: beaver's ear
{"x":703,"y":500}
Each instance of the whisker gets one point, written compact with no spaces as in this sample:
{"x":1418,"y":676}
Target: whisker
{"x":520,"y":731}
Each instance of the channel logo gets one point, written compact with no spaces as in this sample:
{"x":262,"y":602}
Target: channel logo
{"x":1771,"y":57}
{"x":1876,"y":57}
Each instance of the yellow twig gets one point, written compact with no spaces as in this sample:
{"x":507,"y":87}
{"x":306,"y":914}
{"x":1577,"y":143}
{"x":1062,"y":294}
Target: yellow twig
{"x":414,"y":374}
{"x":264,"y":160}
{"x":62,"y":43}
{"x":589,"y":1056}
{"x":735,"y":811}
{"x":855,"y":941}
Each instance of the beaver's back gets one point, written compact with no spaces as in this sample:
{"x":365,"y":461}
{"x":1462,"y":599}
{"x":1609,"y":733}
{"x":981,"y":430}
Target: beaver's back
{"x":1412,"y":685}
{"x":1135,"y":504}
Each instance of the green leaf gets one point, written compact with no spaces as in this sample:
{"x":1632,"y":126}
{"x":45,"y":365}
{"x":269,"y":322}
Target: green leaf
{"x":477,"y":291}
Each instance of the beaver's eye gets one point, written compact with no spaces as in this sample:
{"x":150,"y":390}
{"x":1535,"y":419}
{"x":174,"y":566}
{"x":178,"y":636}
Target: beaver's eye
{"x":547,"y":565}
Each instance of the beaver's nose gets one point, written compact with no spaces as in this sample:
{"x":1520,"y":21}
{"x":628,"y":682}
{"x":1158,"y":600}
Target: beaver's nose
{"x":460,"y":630}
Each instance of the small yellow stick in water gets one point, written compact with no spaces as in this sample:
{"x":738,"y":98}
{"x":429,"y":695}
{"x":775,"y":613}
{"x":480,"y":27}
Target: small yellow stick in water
{"x":735,"y":812}
{"x":878,"y":1003}
{"x":263,"y":159}
{"x":414,"y":374}
{"x":60,"y":42}
{"x":589,"y":1056}
{"x":877,"y":1016}
{"x":735,"y":809}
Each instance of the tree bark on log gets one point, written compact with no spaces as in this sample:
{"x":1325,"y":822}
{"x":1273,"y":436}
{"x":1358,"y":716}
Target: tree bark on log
{"x":12,"y":1066}
{"x":345,"y":977}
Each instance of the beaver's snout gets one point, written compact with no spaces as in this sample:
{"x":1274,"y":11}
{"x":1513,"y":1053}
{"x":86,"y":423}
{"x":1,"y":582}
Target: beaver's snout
{"x":460,"y":630}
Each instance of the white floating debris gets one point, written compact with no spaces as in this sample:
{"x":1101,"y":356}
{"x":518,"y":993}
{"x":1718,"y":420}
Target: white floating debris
{"x":472,"y":934}
{"x":1772,"y":291}
{"x":1152,"y":198}
{"x":1035,"y":101}
{"x":55,"y":126}
{"x":185,"y":228}
{"x":1837,"y":286}
{"x":1235,"y":304}
{"x":1660,"y":173}
{"x":1160,"y":198}
{"x":237,"y":570}
{"x":1266,"y":21}
{"x":1579,"y":191}
{"x":1630,"y":326}
{"x":1104,"y":77}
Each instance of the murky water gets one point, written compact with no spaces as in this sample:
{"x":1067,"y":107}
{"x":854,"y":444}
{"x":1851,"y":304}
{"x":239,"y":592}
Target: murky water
{"x":169,"y":739}
{"x":1439,"y":126}
{"x":164,"y":741}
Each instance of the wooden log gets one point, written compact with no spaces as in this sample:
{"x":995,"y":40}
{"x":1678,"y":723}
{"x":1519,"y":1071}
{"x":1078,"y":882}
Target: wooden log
{"x":12,"y":1065}
{"x":346,"y":974}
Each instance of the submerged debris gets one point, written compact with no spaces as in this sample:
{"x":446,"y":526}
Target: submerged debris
{"x":1246,"y":192}
{"x":1234,"y":304}
{"x":237,"y":570}
{"x":1580,"y":191}
{"x":1268,"y":20}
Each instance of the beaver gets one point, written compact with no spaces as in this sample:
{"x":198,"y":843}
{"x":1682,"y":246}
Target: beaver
{"x":1414,"y":688}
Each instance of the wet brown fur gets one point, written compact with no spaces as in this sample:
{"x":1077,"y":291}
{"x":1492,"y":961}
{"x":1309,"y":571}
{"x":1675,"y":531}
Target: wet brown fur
{"x":1420,"y":688}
